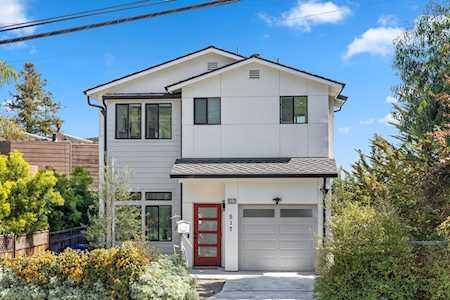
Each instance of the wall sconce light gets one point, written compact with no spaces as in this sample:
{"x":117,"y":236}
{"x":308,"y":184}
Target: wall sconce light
{"x":223,"y":204}
{"x":276,"y":200}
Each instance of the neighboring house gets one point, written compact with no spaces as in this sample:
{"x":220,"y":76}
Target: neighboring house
{"x":62,"y":153}
{"x":239,"y":147}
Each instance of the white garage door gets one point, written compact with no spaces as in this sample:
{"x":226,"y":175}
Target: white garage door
{"x":277,"y":238}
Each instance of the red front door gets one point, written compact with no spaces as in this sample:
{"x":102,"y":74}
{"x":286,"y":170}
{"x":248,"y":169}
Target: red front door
{"x":207,"y":234}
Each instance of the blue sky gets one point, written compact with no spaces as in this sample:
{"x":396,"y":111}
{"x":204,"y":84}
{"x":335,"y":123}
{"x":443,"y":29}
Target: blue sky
{"x":349,"y":41}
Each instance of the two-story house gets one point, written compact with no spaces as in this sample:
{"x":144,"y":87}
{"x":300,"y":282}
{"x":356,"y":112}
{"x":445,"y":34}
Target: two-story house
{"x":239,"y":147}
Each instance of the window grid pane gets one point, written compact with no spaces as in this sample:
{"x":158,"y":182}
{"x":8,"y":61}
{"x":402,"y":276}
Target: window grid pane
{"x":200,"y":110}
{"x":152,"y":121}
{"x":287,"y":110}
{"x":158,"y":223}
{"x":135,"y":121}
{"x":151,"y":223}
{"x":122,"y":121}
{"x":165,"y":223}
{"x":259,"y":213}
{"x":165,"y":121}
{"x":300,"y":110}
{"x":165,"y":196}
{"x":213,"y":110}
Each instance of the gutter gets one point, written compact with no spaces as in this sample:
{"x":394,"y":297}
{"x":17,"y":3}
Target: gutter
{"x":324,"y":191}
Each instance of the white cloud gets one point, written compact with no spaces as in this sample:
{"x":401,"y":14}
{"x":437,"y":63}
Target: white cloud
{"x":344,"y":130}
{"x":367,"y":122}
{"x":12,"y":12}
{"x":388,"y":119}
{"x":377,"y":41}
{"x":387,"y":20}
{"x":391,"y":100}
{"x":308,"y":13}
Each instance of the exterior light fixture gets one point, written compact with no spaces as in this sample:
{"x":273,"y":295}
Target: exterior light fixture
{"x":276,"y":200}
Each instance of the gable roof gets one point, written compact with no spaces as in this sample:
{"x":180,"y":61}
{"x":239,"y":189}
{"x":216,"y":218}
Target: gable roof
{"x":168,"y":63}
{"x":254,"y":58}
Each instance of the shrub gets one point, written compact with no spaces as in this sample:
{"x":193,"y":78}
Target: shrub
{"x":126,"y":272}
{"x":25,"y":199}
{"x":368,"y":258}
{"x":79,"y":200}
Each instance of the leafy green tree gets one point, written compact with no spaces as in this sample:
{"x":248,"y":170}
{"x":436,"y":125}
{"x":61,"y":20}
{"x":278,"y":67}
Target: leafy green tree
{"x":10,"y":130}
{"x":7,"y":73}
{"x":35,"y":109}
{"x":79,"y":200}
{"x":25,"y":199}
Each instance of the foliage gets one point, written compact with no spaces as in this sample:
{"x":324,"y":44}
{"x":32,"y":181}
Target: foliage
{"x":25,"y":199}
{"x":79,"y":200}
{"x":115,"y":273}
{"x":7,"y":73}
{"x":10,"y":130}
{"x":368,"y":258}
{"x":128,"y":224}
{"x":35,"y":109}
{"x":113,"y":188}
{"x":166,"y":278}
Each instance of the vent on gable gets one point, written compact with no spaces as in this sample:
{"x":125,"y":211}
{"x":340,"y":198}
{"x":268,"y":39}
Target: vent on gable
{"x":212,"y":65}
{"x":254,"y":74}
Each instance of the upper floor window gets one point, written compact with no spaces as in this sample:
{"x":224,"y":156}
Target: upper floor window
{"x":207,"y":111}
{"x":128,"y":121}
{"x":293,"y":109}
{"x":158,"y":121}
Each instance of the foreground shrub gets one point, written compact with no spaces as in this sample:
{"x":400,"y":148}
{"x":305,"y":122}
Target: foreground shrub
{"x":126,"y":272}
{"x":368,"y":258}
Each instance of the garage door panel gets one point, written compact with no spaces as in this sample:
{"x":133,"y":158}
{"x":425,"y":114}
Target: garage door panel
{"x":284,"y":242}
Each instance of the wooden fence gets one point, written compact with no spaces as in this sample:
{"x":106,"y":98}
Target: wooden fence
{"x":62,"y":156}
{"x":60,"y":240}
{"x":26,"y":244}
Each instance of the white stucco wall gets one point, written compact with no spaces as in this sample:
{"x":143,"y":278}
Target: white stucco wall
{"x":245,"y":191}
{"x":250,"y":116}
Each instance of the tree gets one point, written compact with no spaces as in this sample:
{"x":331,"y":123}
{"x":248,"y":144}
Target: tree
{"x":35,"y":109}
{"x":25,"y":199}
{"x":7,"y":73}
{"x":79,"y":200}
{"x":10,"y":130}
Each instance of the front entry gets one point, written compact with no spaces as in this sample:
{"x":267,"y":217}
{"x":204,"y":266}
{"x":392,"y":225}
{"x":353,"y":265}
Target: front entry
{"x":207,"y":234}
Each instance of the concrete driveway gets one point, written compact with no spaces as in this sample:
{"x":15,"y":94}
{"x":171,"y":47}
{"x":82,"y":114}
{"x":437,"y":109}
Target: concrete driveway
{"x":265,"y":286}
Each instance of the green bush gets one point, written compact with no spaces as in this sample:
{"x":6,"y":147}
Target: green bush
{"x":79,"y":200}
{"x":369,"y":258}
{"x":126,"y":272}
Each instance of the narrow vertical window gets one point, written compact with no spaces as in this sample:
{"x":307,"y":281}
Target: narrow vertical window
{"x":207,"y":111}
{"x":128,"y":121}
{"x":158,"y":121}
{"x":158,"y":223}
{"x":293,"y":109}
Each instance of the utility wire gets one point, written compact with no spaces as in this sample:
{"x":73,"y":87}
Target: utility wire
{"x":118,"y":21}
{"x":79,"y":15}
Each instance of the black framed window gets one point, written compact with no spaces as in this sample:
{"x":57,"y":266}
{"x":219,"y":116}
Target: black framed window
{"x":135,"y":196}
{"x":158,"y":121}
{"x":164,"y":196}
{"x":207,"y":111}
{"x":158,"y":223}
{"x":293,"y":109}
{"x":128,"y":121}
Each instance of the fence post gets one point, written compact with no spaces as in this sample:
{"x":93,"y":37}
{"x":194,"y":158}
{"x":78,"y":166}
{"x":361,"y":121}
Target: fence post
{"x":14,"y":245}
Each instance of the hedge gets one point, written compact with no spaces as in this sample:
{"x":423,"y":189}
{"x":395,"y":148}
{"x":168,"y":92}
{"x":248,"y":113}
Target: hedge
{"x":126,"y":272}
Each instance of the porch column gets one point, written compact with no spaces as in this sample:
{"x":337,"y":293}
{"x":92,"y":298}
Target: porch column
{"x":231,"y":227}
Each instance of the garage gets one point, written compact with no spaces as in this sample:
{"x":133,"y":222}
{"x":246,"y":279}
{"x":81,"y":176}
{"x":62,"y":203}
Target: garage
{"x":277,"y":237}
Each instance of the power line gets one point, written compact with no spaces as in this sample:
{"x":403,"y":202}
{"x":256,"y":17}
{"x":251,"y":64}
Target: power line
{"x":118,"y":21}
{"x":82,"y":14}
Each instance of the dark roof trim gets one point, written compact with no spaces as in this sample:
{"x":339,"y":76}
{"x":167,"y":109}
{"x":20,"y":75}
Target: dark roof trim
{"x":260,"y":58}
{"x":256,"y":175}
{"x":160,"y":64}
{"x":119,"y":96}
{"x":342,"y":97}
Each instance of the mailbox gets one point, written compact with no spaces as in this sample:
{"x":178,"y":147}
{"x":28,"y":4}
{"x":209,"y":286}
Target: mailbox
{"x":183,"y":227}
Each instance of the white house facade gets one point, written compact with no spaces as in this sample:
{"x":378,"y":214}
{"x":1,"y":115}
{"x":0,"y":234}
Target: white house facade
{"x":238,"y":148}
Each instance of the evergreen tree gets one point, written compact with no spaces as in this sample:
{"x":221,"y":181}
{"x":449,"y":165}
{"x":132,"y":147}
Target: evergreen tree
{"x":7,"y":73}
{"x":35,"y":109}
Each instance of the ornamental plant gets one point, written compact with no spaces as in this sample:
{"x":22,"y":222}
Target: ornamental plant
{"x":25,"y":198}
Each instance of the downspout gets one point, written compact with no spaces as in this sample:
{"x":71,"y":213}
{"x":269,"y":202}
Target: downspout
{"x":103,"y":112}
{"x":324,"y":191}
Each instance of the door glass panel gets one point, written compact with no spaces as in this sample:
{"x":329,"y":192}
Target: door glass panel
{"x":259,"y":213}
{"x":207,"y":238}
{"x":207,"y":212}
{"x":204,"y":225}
{"x":207,"y":251}
{"x":296,"y":213}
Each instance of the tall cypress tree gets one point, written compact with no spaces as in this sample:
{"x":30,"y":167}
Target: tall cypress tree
{"x":33,"y":105}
